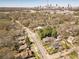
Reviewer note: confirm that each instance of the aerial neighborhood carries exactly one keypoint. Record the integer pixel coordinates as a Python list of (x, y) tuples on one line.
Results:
[(39, 32)]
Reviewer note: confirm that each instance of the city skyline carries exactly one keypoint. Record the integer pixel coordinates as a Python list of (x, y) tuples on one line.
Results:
[(34, 3)]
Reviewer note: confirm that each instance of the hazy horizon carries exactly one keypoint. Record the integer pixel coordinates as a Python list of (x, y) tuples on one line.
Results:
[(34, 3)]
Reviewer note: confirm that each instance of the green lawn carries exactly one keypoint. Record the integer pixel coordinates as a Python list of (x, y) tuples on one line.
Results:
[(50, 49), (73, 55), (4, 21)]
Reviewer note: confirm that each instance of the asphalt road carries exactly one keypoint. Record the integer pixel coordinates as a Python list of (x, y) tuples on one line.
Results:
[(37, 42)]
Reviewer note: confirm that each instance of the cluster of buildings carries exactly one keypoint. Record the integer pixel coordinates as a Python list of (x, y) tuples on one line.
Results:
[(24, 51)]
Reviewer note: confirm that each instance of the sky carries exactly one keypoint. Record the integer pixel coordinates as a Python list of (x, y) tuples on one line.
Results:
[(33, 3)]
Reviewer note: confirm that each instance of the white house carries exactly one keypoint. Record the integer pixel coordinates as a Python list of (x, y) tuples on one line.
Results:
[(70, 39)]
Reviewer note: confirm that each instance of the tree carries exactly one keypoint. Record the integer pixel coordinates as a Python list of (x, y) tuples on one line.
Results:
[(47, 32)]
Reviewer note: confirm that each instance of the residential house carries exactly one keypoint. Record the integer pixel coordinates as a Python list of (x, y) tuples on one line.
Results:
[(48, 39)]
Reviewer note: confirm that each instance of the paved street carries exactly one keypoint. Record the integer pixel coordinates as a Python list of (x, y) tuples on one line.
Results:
[(39, 45)]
